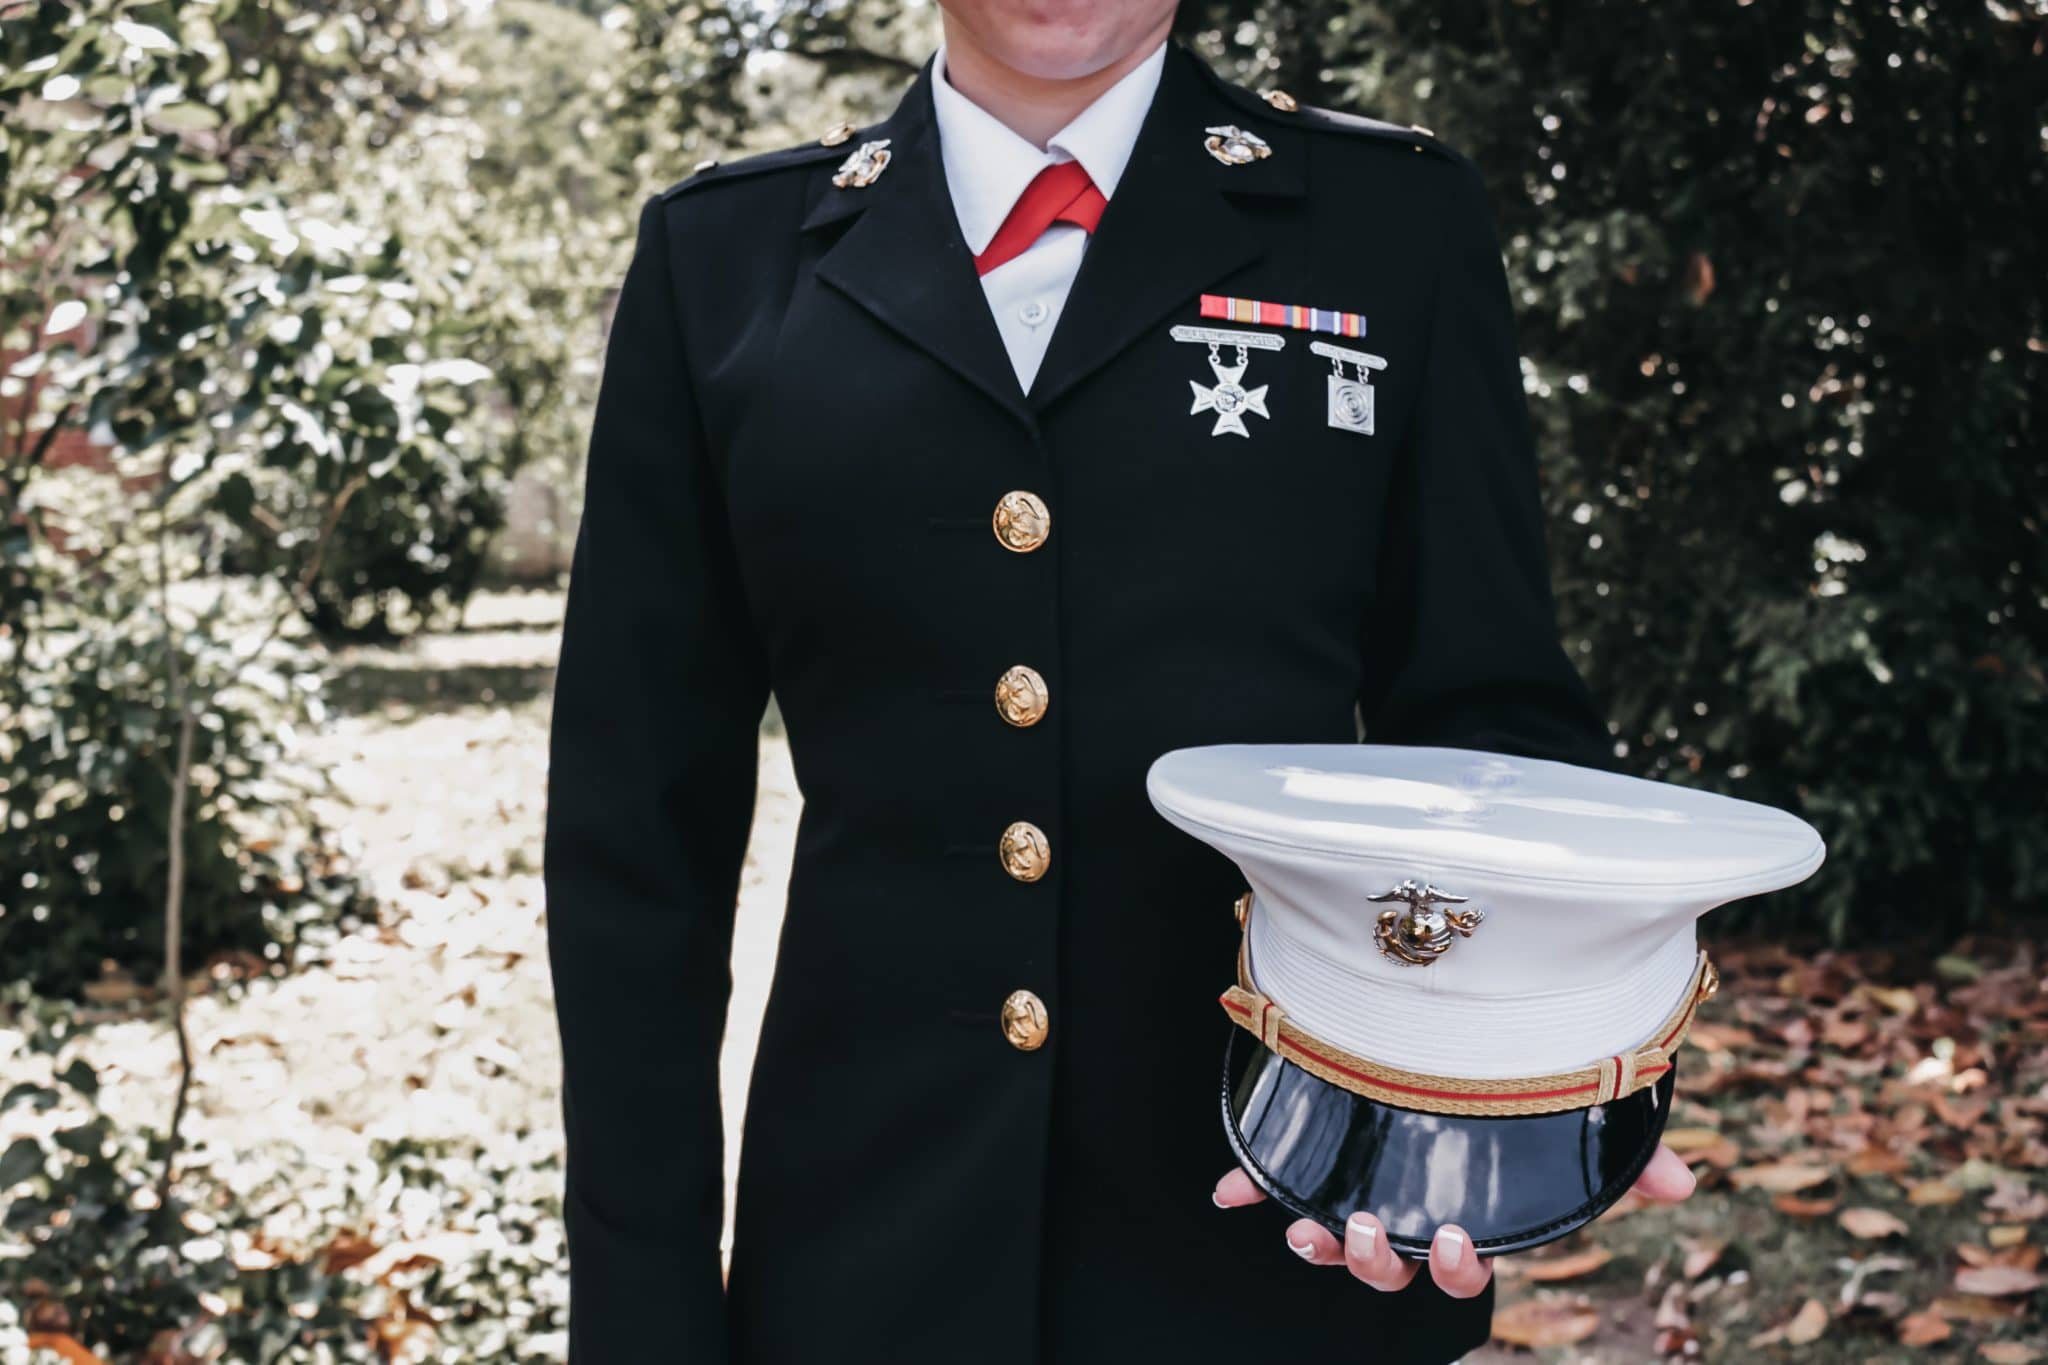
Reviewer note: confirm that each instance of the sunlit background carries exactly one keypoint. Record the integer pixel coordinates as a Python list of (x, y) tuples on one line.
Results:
[(302, 306)]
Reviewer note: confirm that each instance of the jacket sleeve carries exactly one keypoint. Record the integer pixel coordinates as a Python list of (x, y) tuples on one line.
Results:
[(651, 773), (1462, 649)]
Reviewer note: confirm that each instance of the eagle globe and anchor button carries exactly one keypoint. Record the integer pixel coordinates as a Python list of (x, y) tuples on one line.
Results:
[(1391, 1049), (1025, 852), (1025, 1021), (1021, 521), (1022, 696)]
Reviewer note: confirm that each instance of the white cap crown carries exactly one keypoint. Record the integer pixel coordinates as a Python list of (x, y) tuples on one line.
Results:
[(1586, 885)]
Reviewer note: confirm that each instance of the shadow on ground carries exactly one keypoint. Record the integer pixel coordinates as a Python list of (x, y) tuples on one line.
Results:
[(389, 688)]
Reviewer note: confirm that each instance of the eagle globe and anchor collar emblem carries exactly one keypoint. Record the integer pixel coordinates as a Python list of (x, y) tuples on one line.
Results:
[(1425, 931)]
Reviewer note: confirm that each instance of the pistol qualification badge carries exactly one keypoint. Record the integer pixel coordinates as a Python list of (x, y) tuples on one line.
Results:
[(1228, 398), (1350, 400)]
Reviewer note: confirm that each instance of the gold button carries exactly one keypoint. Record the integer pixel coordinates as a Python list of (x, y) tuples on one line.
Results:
[(1022, 522), (1025, 1022), (1025, 853), (836, 134), (1282, 101), (1021, 696)]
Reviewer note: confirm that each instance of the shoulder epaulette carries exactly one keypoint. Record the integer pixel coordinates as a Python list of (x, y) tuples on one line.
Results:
[(713, 172), (1282, 108)]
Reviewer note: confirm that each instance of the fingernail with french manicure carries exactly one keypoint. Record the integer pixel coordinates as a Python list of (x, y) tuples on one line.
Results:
[(1452, 1247), (1305, 1250), (1363, 1236)]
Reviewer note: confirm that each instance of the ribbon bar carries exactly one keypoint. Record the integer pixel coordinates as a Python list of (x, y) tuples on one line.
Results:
[(1297, 316)]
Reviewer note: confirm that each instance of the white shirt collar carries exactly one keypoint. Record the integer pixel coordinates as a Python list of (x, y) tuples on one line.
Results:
[(988, 164)]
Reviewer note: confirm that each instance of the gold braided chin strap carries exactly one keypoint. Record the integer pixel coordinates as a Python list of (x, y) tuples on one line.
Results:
[(1603, 1083)]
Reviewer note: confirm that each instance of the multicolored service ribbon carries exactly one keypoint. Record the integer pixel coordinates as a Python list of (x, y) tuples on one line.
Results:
[(1295, 315)]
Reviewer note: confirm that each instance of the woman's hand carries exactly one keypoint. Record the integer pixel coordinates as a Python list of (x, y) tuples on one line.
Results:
[(1457, 1270)]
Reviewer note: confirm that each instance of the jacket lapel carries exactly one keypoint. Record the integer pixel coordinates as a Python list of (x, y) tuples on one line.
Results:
[(903, 258), (1171, 230)]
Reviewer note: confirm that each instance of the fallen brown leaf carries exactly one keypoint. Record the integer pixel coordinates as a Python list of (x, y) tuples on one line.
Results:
[(1550, 1269), (346, 1250), (1870, 1224), (2005, 1235), (1700, 1257), (1793, 1206), (1897, 999), (1686, 1141), (1546, 1321), (1976, 1308), (1780, 1177), (1927, 1193), (1877, 1161), (63, 1345), (2009, 1353), (1924, 1328), (1803, 1328), (1997, 1281), (1807, 1324), (1719, 1037)]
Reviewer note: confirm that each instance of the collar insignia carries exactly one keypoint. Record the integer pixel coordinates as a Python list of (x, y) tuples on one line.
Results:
[(864, 167), (1233, 146)]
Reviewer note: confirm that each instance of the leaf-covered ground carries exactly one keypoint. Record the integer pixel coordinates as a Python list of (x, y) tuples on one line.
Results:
[(1871, 1129)]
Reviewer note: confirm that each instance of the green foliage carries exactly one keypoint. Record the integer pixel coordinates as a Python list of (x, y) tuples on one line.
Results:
[(85, 783), (316, 285), (424, 1251), (279, 291), (1780, 280)]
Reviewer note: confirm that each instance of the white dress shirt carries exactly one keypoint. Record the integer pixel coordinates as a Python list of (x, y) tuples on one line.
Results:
[(987, 167)]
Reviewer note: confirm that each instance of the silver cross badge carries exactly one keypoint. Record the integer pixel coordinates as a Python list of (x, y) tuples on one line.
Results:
[(1228, 398)]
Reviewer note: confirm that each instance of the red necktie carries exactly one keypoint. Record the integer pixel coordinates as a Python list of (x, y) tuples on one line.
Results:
[(1057, 194)]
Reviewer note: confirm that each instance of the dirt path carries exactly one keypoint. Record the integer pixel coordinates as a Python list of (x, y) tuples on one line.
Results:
[(438, 1023)]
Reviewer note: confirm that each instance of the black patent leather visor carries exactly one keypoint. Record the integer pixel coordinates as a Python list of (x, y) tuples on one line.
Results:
[(1511, 1183)]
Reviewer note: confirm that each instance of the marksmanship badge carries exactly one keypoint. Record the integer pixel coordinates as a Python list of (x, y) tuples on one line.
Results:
[(1350, 399), (1228, 398)]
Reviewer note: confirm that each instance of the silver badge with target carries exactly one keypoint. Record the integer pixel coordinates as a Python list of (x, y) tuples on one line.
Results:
[(1228, 398), (1350, 398)]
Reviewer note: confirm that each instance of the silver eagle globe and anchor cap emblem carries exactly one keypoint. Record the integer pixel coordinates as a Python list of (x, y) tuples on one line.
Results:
[(1233, 146), (864, 166), (1425, 931), (1228, 397)]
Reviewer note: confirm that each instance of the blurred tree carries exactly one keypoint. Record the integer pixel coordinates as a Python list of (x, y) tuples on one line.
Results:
[(1780, 275), (713, 80), (223, 257)]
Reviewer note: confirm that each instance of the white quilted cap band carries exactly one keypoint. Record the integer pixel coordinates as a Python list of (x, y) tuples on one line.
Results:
[(1588, 884)]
